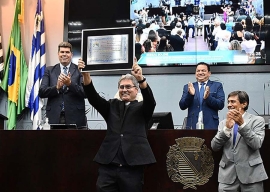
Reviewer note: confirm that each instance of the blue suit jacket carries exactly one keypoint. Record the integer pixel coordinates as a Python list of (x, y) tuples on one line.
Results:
[(210, 106)]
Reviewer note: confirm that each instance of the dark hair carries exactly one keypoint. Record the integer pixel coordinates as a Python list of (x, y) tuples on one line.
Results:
[(147, 25), (152, 36), (238, 27), (139, 30), (147, 45), (65, 45), (203, 63), (242, 97), (222, 26), (248, 36), (249, 24), (162, 43)]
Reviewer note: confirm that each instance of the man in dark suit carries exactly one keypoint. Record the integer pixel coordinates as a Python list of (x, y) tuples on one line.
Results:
[(212, 99), (125, 150), (162, 31), (177, 41), (240, 136), (61, 84)]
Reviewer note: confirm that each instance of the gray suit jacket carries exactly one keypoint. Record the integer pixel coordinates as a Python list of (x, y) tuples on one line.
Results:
[(243, 160)]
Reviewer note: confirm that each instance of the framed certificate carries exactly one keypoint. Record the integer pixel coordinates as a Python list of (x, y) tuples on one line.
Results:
[(108, 49)]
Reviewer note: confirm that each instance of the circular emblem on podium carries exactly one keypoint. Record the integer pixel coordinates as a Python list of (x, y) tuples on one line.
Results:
[(190, 162)]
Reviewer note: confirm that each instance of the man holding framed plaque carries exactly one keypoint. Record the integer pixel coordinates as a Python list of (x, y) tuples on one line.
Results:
[(125, 151)]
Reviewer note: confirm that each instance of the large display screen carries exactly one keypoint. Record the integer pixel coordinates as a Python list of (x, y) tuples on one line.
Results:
[(224, 57), (230, 35)]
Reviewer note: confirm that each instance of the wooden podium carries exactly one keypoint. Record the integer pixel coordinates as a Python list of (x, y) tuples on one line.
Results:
[(62, 160)]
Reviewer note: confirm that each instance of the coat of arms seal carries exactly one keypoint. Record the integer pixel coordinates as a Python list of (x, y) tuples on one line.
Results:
[(190, 162)]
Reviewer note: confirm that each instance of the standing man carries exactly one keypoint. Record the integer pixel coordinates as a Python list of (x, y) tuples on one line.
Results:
[(61, 84), (204, 95), (125, 150), (240, 136), (201, 10)]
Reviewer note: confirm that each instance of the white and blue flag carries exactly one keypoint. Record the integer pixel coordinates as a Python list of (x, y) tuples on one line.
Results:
[(36, 68)]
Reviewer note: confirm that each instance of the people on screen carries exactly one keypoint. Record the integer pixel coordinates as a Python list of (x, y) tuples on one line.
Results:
[(61, 84), (210, 102), (125, 150), (240, 137)]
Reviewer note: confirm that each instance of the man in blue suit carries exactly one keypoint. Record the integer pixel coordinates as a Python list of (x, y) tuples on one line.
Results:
[(211, 102)]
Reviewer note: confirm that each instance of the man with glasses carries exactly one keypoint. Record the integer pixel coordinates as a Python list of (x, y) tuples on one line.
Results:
[(125, 150), (204, 95)]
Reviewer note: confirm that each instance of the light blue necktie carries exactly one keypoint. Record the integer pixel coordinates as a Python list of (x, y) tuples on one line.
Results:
[(201, 95), (235, 131)]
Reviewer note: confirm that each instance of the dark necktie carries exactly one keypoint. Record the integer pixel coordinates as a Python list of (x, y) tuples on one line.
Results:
[(201, 95), (235, 131)]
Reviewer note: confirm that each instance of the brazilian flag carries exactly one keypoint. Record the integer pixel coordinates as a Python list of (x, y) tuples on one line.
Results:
[(15, 75)]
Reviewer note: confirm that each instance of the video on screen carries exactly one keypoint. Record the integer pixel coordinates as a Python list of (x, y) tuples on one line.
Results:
[(187, 32)]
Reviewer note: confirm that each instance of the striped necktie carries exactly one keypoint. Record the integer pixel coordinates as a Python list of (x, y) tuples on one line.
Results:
[(63, 103)]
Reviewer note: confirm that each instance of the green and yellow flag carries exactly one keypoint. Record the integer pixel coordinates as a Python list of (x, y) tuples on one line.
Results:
[(15, 76)]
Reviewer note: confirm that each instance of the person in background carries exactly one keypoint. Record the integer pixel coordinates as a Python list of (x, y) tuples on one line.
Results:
[(164, 46), (177, 41), (240, 136), (139, 49), (201, 10), (62, 85), (210, 101), (191, 24), (162, 31), (140, 24), (198, 25), (125, 151), (148, 47), (248, 44)]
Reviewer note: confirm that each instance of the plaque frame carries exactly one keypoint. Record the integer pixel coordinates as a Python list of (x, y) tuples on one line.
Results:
[(103, 66)]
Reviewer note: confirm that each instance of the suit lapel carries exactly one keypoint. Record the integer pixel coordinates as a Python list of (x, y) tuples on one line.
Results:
[(72, 69), (57, 71), (246, 118), (197, 91)]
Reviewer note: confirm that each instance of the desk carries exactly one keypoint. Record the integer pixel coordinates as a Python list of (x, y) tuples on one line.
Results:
[(208, 9), (61, 160), (154, 11)]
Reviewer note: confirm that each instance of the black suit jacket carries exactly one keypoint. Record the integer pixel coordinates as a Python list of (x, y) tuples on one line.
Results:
[(126, 125), (177, 42), (73, 96)]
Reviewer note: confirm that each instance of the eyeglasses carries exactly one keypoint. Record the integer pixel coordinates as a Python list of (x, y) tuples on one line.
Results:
[(126, 86)]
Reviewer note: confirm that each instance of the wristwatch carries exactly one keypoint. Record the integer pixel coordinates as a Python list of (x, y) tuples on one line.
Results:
[(141, 81)]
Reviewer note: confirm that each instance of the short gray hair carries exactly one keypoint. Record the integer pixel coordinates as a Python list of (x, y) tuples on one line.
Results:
[(130, 77)]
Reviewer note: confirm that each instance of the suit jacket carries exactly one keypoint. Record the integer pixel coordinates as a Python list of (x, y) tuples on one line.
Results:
[(243, 160), (177, 42), (210, 105), (73, 96), (126, 126)]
